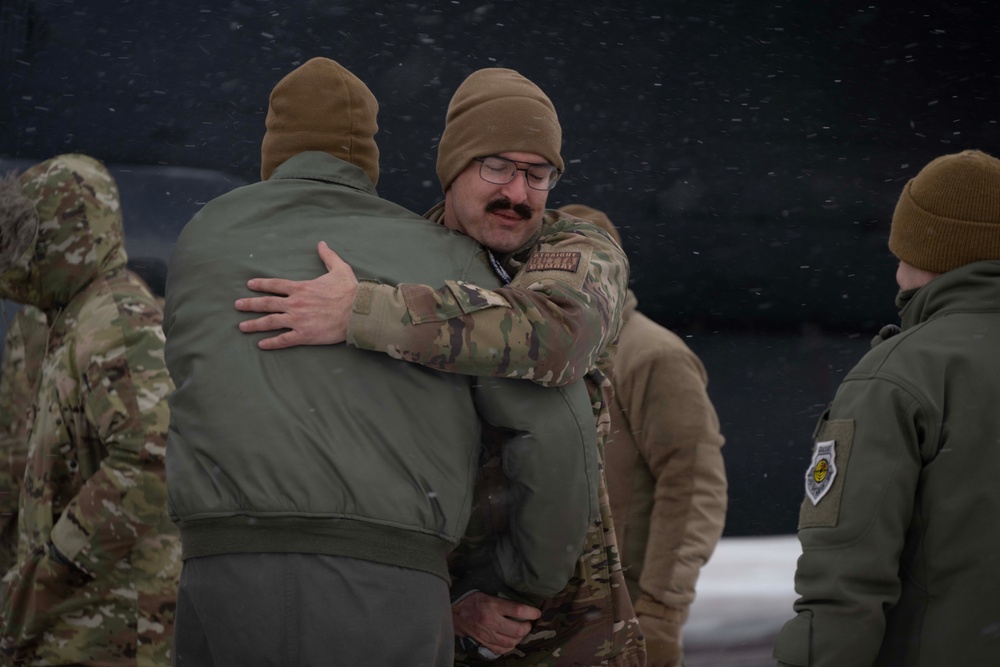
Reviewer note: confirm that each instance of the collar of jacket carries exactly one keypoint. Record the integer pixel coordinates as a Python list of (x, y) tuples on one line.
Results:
[(969, 288), (320, 166)]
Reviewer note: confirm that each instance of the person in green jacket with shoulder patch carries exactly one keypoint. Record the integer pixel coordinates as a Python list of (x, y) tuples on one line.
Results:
[(900, 546)]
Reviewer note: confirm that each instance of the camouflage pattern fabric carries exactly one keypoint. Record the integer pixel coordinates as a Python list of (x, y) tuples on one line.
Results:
[(22, 360), (556, 323), (552, 325), (592, 620), (98, 560)]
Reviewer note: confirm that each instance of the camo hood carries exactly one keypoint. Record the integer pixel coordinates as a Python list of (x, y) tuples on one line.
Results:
[(60, 228)]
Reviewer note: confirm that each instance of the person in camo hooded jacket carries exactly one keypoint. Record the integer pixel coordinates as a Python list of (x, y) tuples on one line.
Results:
[(98, 560)]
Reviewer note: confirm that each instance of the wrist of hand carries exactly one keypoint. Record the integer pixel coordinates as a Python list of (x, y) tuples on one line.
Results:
[(58, 556)]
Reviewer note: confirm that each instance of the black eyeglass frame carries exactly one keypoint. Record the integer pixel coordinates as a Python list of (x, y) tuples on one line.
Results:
[(554, 172)]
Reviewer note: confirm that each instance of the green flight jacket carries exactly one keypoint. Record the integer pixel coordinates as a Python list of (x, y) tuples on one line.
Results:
[(901, 547), (335, 450), (556, 322)]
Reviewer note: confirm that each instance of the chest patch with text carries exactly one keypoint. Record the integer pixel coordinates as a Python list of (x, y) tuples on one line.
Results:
[(554, 261)]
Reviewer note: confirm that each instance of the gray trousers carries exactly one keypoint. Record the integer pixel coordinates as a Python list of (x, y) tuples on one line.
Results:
[(293, 610)]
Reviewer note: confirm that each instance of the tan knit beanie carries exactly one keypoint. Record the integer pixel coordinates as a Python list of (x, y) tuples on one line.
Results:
[(949, 214), (495, 111), (593, 215), (320, 106)]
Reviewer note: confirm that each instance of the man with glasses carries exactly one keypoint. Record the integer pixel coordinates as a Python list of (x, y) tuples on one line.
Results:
[(501, 171), (554, 322), (332, 480)]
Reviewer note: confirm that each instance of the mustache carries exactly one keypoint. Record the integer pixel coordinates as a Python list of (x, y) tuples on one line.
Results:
[(503, 204)]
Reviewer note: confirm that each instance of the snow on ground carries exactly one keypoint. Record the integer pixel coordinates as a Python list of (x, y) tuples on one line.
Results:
[(745, 595)]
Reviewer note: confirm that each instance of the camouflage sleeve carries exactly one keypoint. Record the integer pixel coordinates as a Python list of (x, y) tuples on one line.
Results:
[(550, 325), (124, 389)]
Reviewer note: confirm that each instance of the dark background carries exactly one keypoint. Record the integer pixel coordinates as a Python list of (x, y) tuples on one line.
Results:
[(750, 152)]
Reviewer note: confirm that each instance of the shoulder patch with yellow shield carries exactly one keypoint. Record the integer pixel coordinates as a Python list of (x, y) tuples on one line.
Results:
[(826, 473), (822, 471)]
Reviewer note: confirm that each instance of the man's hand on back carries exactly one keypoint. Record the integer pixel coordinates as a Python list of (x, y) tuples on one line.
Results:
[(316, 311)]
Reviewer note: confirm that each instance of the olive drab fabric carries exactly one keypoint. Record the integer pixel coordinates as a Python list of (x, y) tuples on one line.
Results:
[(508, 331), (899, 524), (380, 463), (98, 559), (574, 269)]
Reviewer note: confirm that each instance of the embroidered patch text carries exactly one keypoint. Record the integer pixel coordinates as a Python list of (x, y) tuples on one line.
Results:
[(554, 261)]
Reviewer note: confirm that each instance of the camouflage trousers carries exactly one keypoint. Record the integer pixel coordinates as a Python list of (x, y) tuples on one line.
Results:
[(591, 622)]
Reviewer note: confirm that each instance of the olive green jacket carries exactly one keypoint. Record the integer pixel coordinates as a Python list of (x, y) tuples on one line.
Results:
[(333, 450), (559, 318), (899, 529)]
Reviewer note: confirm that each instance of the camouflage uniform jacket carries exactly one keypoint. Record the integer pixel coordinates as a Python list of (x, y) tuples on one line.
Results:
[(98, 559), (555, 322), (22, 359)]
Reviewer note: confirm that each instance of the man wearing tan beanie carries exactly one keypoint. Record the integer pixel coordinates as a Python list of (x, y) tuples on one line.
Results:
[(899, 525), (555, 321), (666, 477), (318, 491)]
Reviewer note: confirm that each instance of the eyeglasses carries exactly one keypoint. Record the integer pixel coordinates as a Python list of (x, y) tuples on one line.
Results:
[(501, 171)]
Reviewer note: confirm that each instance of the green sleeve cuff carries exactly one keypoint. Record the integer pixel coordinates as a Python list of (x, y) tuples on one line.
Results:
[(792, 647)]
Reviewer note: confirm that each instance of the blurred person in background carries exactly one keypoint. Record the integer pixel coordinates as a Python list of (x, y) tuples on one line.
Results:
[(23, 351), (666, 476), (98, 560)]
